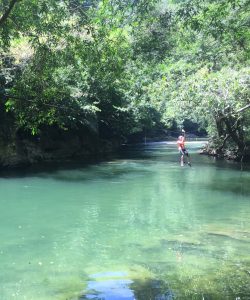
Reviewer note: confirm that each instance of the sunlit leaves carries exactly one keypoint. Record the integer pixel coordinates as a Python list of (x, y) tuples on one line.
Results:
[(126, 65)]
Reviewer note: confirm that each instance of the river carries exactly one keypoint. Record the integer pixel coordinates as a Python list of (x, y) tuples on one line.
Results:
[(137, 226)]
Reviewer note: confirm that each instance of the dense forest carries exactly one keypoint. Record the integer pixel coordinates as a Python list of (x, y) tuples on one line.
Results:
[(79, 77)]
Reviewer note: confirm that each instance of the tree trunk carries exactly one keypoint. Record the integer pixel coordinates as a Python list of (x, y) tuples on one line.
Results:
[(235, 132), (219, 126)]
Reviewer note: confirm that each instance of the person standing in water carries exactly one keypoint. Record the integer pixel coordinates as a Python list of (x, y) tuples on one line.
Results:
[(181, 147)]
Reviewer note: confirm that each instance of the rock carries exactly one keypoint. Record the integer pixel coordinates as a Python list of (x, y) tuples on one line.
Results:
[(53, 144)]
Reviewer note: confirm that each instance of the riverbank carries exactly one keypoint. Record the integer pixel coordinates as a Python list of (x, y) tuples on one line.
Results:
[(53, 145), (228, 154), (19, 149)]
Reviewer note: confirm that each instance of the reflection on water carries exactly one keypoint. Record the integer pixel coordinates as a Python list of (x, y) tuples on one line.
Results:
[(138, 226), (114, 286), (112, 289)]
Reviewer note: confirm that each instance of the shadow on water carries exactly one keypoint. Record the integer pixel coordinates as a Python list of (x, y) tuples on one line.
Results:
[(79, 171), (112, 165), (126, 289), (140, 154), (46, 167), (232, 185)]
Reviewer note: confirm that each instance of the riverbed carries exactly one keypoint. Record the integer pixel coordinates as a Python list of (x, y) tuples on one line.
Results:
[(137, 226)]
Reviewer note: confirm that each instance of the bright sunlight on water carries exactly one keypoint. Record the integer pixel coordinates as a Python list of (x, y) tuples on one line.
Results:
[(136, 227)]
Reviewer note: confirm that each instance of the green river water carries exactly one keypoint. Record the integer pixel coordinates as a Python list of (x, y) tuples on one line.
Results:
[(137, 226)]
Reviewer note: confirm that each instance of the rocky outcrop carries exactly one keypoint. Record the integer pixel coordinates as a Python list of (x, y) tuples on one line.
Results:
[(226, 153), (52, 144)]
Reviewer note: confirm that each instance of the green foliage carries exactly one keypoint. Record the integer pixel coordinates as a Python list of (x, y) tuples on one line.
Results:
[(119, 67)]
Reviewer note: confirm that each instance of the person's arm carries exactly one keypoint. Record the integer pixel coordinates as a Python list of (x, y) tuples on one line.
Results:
[(184, 134)]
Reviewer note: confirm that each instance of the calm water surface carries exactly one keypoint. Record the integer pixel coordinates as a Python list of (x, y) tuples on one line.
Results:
[(135, 227)]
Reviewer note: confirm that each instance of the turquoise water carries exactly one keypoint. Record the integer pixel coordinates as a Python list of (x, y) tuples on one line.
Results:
[(138, 226)]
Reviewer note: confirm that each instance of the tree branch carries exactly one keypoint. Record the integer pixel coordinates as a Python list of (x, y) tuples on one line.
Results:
[(243, 108), (5, 16), (222, 116)]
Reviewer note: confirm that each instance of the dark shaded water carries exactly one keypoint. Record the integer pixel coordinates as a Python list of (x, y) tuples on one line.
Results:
[(135, 227)]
